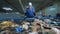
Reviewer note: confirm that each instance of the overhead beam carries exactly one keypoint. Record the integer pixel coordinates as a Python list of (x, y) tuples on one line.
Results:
[(16, 5), (46, 4)]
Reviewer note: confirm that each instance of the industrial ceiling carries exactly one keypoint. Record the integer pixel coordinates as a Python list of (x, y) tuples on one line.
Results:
[(16, 4)]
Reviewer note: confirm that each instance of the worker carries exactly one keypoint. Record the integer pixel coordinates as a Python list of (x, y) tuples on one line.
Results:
[(30, 11)]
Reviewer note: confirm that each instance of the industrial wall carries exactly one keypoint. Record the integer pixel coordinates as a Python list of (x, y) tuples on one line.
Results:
[(51, 10), (58, 7)]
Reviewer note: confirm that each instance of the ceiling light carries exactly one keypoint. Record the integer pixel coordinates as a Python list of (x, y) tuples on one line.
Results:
[(6, 8)]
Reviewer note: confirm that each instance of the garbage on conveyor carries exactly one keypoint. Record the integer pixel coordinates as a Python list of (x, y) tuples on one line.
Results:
[(25, 27)]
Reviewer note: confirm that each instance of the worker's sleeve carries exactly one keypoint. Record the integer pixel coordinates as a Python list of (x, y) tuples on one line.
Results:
[(33, 9)]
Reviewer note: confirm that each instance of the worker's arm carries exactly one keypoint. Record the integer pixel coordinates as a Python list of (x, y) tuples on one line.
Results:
[(34, 10)]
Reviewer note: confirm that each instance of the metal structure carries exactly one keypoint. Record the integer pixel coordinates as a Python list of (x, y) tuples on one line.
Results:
[(38, 4)]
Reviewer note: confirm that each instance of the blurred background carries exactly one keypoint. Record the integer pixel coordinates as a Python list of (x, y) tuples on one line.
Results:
[(15, 8), (12, 16)]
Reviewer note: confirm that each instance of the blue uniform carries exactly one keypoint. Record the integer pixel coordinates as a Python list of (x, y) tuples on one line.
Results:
[(30, 13)]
